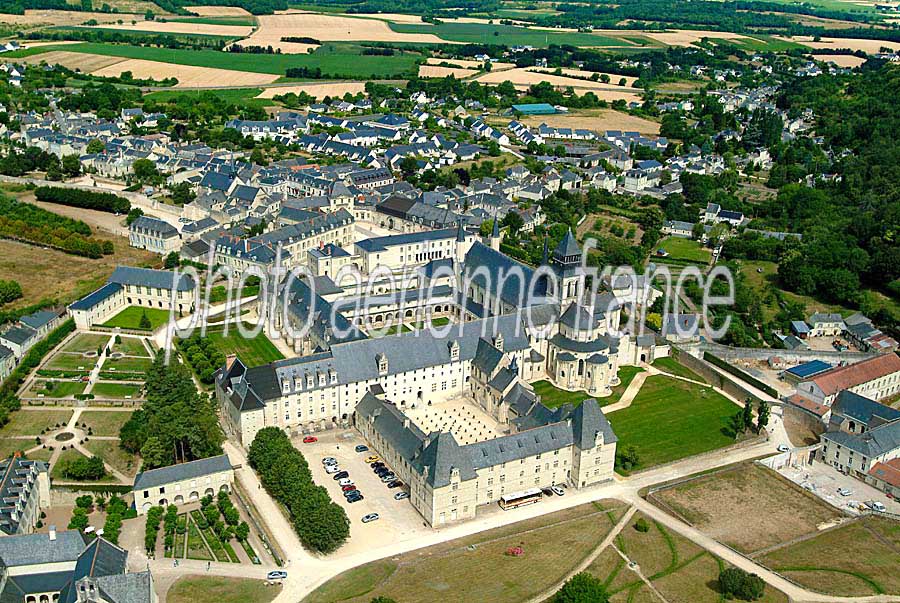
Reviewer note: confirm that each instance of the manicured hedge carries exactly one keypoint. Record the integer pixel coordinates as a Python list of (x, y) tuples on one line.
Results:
[(742, 375), (321, 524), (108, 202)]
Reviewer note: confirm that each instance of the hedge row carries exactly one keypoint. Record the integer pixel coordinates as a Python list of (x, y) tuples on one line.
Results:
[(9, 402), (742, 375), (321, 524), (108, 202)]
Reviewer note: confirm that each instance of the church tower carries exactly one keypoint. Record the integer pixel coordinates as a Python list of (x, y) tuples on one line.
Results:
[(565, 263), (495, 234)]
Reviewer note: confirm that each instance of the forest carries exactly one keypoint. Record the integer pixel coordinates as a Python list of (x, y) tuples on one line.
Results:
[(29, 223)]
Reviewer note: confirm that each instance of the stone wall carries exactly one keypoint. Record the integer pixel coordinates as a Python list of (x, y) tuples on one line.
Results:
[(790, 356), (713, 376)]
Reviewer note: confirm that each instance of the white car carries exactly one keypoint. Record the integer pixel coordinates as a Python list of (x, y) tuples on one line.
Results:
[(401, 495), (345, 482), (844, 491), (329, 460), (370, 517), (329, 469), (557, 490), (276, 575), (783, 448)]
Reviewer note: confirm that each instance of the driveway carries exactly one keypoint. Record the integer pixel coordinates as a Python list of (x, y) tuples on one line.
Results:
[(823, 480)]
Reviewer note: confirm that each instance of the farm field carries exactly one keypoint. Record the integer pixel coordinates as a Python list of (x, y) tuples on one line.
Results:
[(440, 71), (33, 18), (841, 60), (867, 46), (859, 558), (187, 27), (580, 73), (468, 64), (253, 352), (316, 89), (522, 78), (510, 35), (671, 419), (130, 318), (710, 503), (457, 574), (339, 60), (217, 11)]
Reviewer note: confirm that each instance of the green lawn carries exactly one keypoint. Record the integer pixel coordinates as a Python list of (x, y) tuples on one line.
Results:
[(131, 346), (56, 389), (344, 61), (509, 35), (196, 548), (130, 318), (673, 367), (114, 455), (671, 419), (66, 456), (686, 250), (221, 20), (86, 342), (116, 390), (253, 352), (65, 361), (553, 397), (127, 365), (104, 422), (31, 422), (217, 589)]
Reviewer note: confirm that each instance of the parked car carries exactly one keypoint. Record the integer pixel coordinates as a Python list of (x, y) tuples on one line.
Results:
[(401, 495), (370, 518), (547, 491), (362, 448), (357, 498), (874, 505), (276, 575), (348, 488), (388, 478), (340, 475), (345, 482), (783, 448), (329, 469), (373, 459), (329, 460), (395, 484), (382, 471), (844, 491), (310, 439), (557, 490), (377, 466)]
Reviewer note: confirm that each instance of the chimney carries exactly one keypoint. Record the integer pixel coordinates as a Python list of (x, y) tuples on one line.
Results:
[(52, 533), (229, 361)]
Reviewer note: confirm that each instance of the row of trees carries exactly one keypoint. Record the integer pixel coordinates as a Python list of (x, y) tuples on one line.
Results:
[(176, 424), (151, 532), (202, 354), (321, 524), (84, 469), (30, 223), (108, 202)]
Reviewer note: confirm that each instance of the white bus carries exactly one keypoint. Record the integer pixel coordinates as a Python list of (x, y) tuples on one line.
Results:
[(519, 499)]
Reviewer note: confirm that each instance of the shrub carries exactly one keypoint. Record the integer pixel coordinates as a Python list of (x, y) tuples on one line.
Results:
[(735, 583), (641, 525)]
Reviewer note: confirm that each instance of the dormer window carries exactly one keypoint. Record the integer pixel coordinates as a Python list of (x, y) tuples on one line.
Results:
[(454, 350), (332, 376), (382, 361), (309, 380), (498, 341)]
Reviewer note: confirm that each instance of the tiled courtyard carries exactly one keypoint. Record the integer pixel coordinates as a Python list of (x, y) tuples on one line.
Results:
[(460, 416)]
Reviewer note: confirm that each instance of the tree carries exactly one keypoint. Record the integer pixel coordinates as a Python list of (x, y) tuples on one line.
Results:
[(145, 171), (242, 531), (762, 416), (133, 214), (9, 291), (145, 323), (95, 146), (257, 157), (54, 172), (582, 588), (71, 165), (735, 583), (747, 415), (79, 519), (172, 261), (513, 221)]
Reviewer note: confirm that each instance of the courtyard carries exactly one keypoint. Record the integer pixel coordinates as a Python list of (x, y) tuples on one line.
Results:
[(462, 417)]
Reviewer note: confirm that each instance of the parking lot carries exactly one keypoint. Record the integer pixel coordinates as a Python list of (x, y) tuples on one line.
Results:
[(824, 480), (398, 520)]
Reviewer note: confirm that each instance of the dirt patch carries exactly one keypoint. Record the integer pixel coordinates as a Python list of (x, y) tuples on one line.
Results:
[(748, 507), (188, 76), (841, 60), (326, 28), (579, 73), (685, 37), (218, 11), (468, 64), (236, 31), (438, 71), (316, 89), (598, 120)]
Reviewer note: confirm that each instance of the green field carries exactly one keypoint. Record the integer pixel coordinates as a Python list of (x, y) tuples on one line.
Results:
[(673, 367), (686, 250), (335, 60), (253, 352), (137, 35), (671, 419), (64, 361), (510, 35), (222, 20), (214, 589), (31, 422), (130, 318), (116, 390), (104, 422), (131, 346), (554, 397), (85, 342), (127, 364), (114, 455), (56, 389), (244, 97)]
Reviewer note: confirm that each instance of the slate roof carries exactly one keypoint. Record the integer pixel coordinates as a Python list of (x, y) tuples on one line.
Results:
[(14, 474), (863, 409), (154, 225), (567, 247), (38, 549), (872, 443), (100, 558), (487, 357), (18, 335), (92, 299), (39, 319), (517, 285), (160, 279), (382, 243), (184, 471)]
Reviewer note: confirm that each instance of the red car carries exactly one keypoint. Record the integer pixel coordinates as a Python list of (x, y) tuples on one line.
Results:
[(348, 488), (310, 439)]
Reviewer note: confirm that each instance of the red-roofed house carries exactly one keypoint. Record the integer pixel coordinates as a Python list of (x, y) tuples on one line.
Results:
[(886, 477), (874, 378)]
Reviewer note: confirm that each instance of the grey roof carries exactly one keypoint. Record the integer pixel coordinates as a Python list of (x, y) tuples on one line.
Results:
[(160, 279), (863, 409), (155, 226), (440, 456), (601, 344), (92, 299), (100, 558), (487, 357), (389, 422), (382, 243), (516, 284), (176, 473), (39, 319), (38, 549), (5, 352), (18, 335), (136, 587), (872, 443), (567, 247), (17, 587), (15, 473)]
